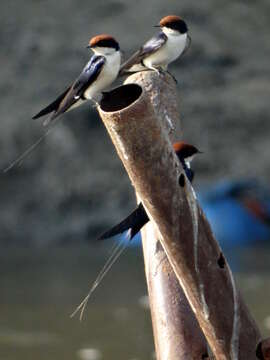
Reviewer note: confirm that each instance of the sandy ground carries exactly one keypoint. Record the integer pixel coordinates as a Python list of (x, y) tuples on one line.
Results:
[(73, 186)]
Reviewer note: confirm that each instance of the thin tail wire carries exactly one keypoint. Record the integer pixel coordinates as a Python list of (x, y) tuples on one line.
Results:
[(29, 150), (117, 250)]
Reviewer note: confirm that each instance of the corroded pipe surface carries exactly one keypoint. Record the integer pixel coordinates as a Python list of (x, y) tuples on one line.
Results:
[(140, 132), (177, 333)]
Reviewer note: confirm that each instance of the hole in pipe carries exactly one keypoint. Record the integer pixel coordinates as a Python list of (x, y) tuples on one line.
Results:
[(182, 180), (263, 349), (221, 261), (205, 356), (120, 97), (259, 353)]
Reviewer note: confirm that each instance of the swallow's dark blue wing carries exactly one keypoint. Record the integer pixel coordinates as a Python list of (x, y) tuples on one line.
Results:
[(133, 222), (86, 78), (147, 49), (153, 44), (73, 93), (189, 172), (88, 75)]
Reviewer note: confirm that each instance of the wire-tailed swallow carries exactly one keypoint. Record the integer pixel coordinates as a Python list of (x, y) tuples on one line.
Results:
[(138, 218), (161, 49), (97, 75)]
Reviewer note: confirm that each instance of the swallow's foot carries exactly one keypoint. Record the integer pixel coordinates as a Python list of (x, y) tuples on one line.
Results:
[(172, 77), (158, 70), (161, 71), (96, 100), (95, 104)]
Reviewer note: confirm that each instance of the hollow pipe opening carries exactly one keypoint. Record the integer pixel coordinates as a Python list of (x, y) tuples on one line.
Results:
[(120, 97)]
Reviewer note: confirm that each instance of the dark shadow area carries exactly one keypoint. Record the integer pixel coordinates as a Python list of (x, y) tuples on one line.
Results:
[(259, 353), (182, 180), (205, 356), (221, 261), (120, 97), (263, 349)]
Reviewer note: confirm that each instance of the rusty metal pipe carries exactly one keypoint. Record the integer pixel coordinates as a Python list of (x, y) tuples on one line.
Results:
[(138, 118)]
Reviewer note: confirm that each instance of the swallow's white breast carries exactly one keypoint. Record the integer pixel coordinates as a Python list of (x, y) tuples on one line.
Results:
[(169, 52), (188, 160), (106, 77)]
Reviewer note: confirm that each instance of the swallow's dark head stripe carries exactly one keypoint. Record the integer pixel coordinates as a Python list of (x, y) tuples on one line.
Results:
[(104, 40), (175, 23)]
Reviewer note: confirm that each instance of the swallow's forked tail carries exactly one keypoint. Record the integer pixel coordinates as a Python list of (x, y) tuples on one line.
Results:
[(133, 222), (117, 250), (52, 107)]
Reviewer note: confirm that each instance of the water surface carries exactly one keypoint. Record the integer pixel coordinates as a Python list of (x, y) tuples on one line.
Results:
[(41, 288)]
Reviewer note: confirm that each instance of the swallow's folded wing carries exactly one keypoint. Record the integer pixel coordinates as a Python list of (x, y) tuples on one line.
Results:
[(73, 93), (86, 78), (147, 49), (189, 172)]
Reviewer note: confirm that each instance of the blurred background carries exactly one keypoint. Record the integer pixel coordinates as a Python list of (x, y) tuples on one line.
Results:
[(73, 186)]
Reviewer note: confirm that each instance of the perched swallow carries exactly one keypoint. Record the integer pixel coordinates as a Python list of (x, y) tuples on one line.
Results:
[(138, 218), (162, 49), (97, 75)]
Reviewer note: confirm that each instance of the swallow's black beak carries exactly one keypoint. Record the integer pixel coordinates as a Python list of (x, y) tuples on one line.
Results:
[(200, 152), (157, 26), (88, 47)]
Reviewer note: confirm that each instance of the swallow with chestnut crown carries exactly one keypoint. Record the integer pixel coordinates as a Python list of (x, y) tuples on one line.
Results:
[(157, 53), (138, 218), (97, 75)]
